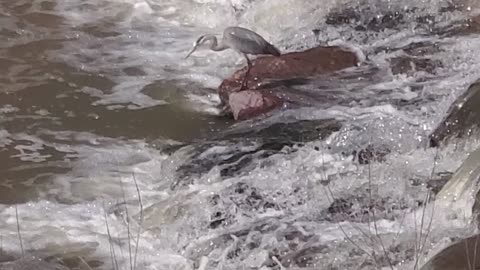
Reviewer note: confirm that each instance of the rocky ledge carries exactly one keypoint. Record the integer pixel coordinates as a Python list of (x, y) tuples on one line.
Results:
[(462, 120), (266, 91)]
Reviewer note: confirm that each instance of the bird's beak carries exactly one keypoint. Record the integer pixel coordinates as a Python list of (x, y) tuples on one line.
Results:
[(193, 49), (195, 46)]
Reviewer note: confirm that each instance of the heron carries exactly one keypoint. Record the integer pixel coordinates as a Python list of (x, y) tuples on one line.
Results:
[(241, 40)]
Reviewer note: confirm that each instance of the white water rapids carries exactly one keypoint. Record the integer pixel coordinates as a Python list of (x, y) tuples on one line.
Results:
[(274, 208)]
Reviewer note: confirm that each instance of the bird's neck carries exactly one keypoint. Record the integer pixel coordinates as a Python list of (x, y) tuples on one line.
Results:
[(215, 45)]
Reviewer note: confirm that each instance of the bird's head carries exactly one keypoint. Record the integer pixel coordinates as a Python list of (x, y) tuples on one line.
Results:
[(201, 40)]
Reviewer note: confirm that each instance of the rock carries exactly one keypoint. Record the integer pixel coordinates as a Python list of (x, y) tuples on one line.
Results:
[(408, 65), (250, 103), (388, 21), (462, 118), (460, 28), (438, 181), (237, 156), (368, 19), (372, 153), (4, 257), (346, 16), (422, 48), (472, 25), (31, 263), (359, 207), (315, 61), (459, 255), (457, 194)]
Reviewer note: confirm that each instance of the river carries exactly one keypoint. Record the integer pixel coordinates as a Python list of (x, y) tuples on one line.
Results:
[(99, 106)]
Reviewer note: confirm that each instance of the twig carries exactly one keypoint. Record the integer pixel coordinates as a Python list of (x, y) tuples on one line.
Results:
[(18, 231), (475, 251), (375, 219), (469, 265), (84, 262), (422, 245), (349, 239), (112, 248), (346, 216), (140, 222), (275, 259), (128, 225)]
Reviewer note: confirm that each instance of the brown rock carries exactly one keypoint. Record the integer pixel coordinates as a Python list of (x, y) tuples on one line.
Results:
[(315, 61), (463, 117), (251, 103), (460, 255)]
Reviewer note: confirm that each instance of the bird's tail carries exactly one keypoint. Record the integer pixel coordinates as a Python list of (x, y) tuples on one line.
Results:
[(270, 49)]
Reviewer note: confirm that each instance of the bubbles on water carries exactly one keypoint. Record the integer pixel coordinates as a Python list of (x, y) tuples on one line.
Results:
[(278, 205)]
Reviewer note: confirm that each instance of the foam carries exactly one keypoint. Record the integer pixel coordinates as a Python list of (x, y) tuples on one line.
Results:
[(70, 207)]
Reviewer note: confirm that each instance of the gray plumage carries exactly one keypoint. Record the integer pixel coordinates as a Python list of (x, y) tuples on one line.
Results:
[(241, 40)]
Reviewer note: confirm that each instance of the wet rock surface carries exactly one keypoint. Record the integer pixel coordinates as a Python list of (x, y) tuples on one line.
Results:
[(251, 103), (303, 64), (292, 244), (476, 209), (237, 153), (245, 199), (371, 154), (31, 263), (462, 120), (364, 202), (461, 28), (346, 16), (459, 255), (438, 181), (269, 74), (379, 22), (410, 65), (369, 19), (362, 206)]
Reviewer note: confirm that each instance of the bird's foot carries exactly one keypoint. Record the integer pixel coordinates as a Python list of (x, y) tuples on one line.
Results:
[(243, 87), (225, 110)]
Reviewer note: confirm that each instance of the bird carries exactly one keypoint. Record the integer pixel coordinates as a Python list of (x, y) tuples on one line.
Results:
[(241, 40)]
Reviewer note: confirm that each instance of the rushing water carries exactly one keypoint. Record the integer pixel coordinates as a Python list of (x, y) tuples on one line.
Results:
[(97, 105)]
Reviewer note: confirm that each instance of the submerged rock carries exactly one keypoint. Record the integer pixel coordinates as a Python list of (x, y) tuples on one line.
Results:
[(409, 65), (461, 28), (235, 155), (346, 16), (463, 118), (267, 71), (389, 20), (372, 153), (31, 263)]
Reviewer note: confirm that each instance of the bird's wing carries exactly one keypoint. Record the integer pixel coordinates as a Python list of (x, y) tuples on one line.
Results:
[(244, 40)]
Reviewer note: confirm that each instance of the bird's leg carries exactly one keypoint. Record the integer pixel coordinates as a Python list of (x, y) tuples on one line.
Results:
[(245, 78)]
